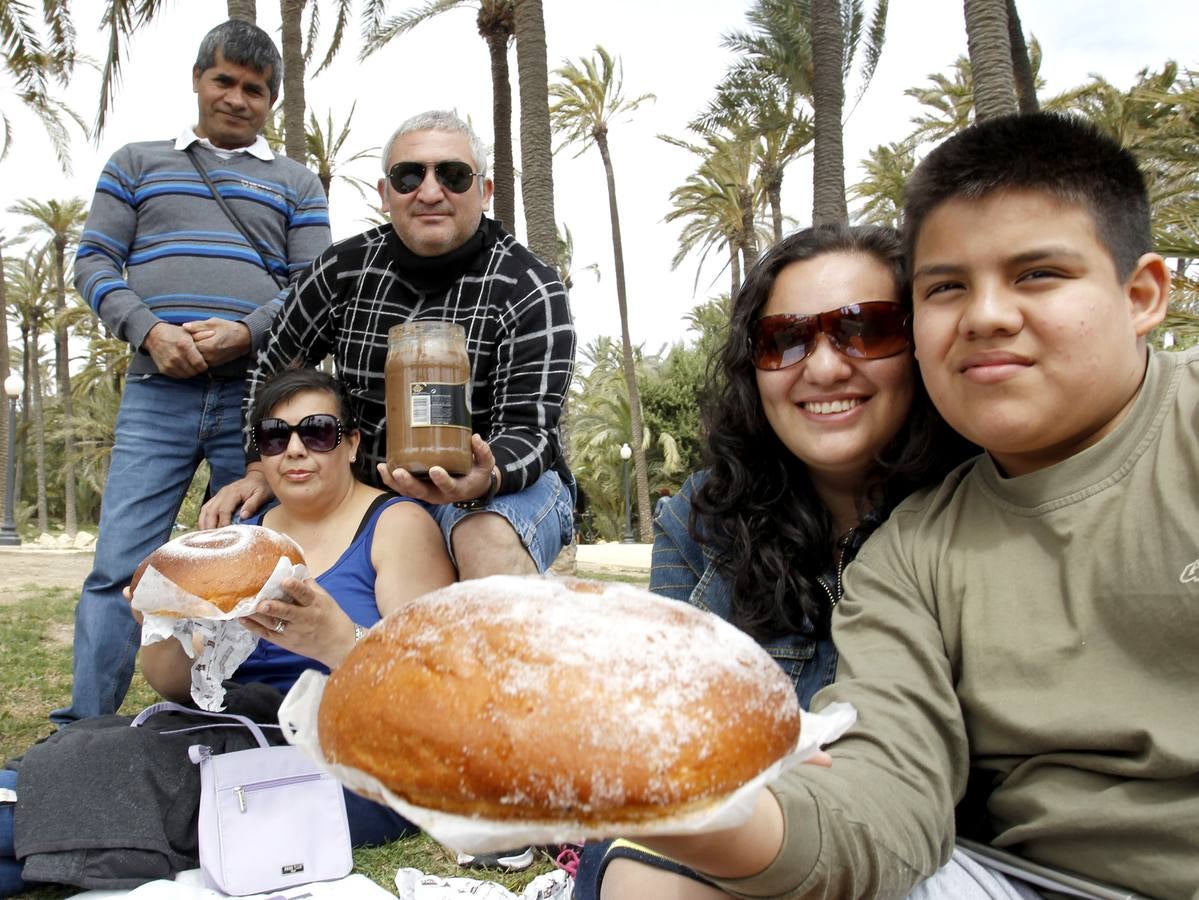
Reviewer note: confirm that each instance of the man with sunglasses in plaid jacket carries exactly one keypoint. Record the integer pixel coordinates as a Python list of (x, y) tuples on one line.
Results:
[(440, 258)]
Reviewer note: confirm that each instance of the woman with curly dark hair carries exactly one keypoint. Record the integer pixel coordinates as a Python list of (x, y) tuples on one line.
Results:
[(817, 425)]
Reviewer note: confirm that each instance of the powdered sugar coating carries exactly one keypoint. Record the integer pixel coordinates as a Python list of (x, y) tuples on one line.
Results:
[(542, 698), (222, 566)]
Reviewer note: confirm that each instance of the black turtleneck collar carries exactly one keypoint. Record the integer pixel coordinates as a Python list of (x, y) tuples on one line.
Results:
[(430, 271)]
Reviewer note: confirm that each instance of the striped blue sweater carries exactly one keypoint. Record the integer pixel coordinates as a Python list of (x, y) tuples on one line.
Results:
[(157, 247)]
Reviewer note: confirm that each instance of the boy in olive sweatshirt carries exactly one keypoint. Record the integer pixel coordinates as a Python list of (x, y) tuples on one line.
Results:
[(1033, 622)]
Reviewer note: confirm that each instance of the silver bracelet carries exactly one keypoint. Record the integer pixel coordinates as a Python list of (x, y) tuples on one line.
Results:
[(359, 632)]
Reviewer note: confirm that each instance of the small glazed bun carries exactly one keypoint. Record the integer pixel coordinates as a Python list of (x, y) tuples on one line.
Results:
[(220, 565), (557, 700)]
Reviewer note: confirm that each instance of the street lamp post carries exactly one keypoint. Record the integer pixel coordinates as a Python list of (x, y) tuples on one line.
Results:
[(13, 385), (626, 453)]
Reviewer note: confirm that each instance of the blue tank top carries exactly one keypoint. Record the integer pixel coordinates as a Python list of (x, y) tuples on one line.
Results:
[(350, 581)]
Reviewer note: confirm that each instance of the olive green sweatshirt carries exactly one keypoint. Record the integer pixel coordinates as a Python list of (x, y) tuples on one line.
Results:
[(1042, 629)]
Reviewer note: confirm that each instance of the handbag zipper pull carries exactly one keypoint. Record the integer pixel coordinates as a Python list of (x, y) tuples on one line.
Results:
[(241, 798)]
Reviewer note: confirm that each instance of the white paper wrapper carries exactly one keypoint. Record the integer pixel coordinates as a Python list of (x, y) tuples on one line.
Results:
[(413, 884), (224, 641), (298, 718)]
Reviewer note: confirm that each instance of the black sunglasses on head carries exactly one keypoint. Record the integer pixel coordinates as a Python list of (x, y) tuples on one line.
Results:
[(872, 329), (320, 433), (453, 175)]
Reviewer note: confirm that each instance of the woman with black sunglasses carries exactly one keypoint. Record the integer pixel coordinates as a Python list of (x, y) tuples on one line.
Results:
[(817, 425), (368, 552), (368, 549)]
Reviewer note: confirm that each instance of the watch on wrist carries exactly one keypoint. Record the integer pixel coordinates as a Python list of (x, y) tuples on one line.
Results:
[(480, 502)]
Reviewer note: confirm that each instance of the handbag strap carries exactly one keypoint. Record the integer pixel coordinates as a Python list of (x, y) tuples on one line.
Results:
[(168, 706), (233, 217)]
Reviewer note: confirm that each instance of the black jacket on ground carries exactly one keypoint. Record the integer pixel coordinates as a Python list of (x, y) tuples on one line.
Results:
[(103, 805)]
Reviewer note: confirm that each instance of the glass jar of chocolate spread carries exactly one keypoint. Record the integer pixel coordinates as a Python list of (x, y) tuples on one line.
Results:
[(427, 377)]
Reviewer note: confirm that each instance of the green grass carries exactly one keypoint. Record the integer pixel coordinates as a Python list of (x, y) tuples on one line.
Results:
[(35, 634)]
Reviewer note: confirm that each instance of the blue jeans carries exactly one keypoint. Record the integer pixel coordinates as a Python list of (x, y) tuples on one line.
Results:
[(164, 429), (542, 515)]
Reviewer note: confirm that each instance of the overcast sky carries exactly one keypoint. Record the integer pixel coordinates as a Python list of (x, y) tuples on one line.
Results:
[(671, 48)]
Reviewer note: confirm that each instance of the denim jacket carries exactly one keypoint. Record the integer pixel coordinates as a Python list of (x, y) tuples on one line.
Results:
[(686, 570)]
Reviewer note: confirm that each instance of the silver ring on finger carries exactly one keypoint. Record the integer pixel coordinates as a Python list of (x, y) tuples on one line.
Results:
[(281, 627)]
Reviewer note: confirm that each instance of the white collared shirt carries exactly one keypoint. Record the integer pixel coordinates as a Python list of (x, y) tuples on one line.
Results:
[(260, 149)]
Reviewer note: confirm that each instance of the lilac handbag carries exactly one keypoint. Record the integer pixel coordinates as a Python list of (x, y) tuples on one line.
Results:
[(270, 818)]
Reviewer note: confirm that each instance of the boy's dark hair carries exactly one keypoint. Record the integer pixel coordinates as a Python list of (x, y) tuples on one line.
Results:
[(244, 44), (1063, 156)]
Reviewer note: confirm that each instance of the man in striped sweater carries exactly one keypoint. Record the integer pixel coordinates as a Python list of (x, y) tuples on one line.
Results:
[(440, 258), (164, 267)]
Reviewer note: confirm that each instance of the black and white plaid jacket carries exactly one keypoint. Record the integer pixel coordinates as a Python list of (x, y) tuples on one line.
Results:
[(519, 336)]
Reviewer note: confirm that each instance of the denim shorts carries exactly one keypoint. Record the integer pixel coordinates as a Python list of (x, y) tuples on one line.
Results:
[(542, 515)]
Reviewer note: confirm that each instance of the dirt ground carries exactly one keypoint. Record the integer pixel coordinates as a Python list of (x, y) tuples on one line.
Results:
[(41, 568)]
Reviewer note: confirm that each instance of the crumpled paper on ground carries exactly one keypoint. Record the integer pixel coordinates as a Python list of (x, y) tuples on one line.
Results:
[(191, 885), (413, 884), (298, 719), (224, 642)]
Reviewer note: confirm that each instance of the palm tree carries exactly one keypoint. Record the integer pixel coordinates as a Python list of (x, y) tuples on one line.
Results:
[(536, 159), (33, 64), (587, 99), (495, 22), (324, 152), (246, 10), (828, 99), (564, 259), (1022, 66), (1155, 119), (4, 364), (294, 62), (721, 202), (30, 296), (764, 112), (786, 38), (887, 171), (62, 223), (601, 420), (990, 48), (950, 101), (713, 222)]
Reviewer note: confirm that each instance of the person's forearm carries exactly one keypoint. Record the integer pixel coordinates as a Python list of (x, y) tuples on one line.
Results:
[(735, 852)]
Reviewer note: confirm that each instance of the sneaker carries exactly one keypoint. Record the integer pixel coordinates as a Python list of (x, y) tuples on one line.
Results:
[(512, 860)]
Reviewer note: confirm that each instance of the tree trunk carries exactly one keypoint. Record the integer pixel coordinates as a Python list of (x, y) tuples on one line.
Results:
[(39, 431), (246, 10), (293, 79), (735, 268), (774, 196), (62, 371), (536, 156), (504, 199), (749, 236), (645, 514), (25, 424), (5, 400), (828, 98), (990, 58), (1026, 82)]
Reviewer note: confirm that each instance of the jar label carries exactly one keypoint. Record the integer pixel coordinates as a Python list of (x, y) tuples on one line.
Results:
[(433, 404)]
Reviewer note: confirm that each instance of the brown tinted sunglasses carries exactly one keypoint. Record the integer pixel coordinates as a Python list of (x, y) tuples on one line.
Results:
[(874, 329)]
